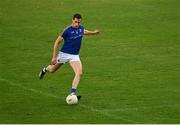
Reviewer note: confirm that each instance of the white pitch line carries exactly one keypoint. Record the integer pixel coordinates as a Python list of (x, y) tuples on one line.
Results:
[(29, 89), (140, 108), (107, 114), (103, 112)]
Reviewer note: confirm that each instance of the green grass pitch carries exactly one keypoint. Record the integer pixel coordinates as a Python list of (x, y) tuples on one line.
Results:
[(131, 70)]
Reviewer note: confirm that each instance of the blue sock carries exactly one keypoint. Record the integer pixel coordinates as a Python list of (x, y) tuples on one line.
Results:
[(73, 90)]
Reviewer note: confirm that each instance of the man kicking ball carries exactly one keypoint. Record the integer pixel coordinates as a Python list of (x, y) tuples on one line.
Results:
[(69, 53)]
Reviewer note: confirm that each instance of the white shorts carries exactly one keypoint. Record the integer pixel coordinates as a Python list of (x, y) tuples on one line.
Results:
[(65, 57)]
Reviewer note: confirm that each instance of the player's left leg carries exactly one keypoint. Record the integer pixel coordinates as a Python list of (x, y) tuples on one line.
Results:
[(77, 68)]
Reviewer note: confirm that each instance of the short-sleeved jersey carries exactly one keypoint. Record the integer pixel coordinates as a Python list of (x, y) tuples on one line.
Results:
[(72, 39)]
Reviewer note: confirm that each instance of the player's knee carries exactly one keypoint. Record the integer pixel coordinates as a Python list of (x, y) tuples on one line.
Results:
[(79, 73)]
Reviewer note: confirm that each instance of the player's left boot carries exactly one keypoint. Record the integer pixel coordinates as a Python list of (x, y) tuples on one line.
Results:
[(42, 73), (79, 97)]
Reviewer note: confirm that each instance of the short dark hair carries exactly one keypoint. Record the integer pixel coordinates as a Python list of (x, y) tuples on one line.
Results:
[(77, 15)]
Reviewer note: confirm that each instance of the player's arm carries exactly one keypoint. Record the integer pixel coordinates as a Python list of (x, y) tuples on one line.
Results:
[(87, 32), (55, 48)]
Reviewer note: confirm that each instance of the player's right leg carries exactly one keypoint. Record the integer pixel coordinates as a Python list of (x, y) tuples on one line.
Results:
[(50, 69)]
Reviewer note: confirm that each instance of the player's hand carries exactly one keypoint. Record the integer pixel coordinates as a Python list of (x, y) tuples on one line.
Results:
[(96, 31), (53, 61)]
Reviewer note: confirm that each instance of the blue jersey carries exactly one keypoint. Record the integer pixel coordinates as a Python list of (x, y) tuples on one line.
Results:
[(72, 40)]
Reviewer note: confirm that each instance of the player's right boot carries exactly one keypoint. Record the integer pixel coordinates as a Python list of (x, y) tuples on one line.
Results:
[(79, 97), (42, 73)]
